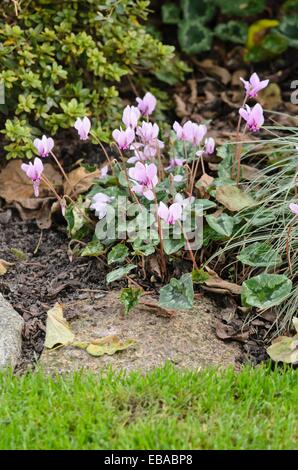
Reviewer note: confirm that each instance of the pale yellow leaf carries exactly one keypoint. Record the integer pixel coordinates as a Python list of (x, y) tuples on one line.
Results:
[(57, 329), (4, 265)]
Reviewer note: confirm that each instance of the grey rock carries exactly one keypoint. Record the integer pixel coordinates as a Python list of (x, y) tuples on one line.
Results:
[(11, 324)]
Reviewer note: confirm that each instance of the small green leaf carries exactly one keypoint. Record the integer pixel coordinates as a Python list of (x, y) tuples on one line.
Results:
[(93, 248), (259, 255), (265, 290), (119, 273), (170, 13), (223, 224), (178, 294), (118, 254), (142, 248), (129, 297)]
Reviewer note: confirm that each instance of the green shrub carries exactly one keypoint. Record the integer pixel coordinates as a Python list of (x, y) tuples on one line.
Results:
[(62, 60)]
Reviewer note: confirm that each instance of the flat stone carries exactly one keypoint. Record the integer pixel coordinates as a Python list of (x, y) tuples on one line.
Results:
[(187, 339), (11, 324)]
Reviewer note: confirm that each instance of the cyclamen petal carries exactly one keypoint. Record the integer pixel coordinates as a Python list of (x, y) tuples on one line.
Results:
[(190, 132), (144, 178), (254, 117), (209, 145), (100, 204), (124, 138), (131, 116), (44, 145), (294, 208), (147, 104), (34, 172), (170, 215), (147, 132), (254, 85), (83, 127)]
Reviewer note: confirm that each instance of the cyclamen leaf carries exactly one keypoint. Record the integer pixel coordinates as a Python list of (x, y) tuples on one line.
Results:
[(129, 297), (93, 248), (172, 246), (119, 273), (223, 224), (178, 294), (258, 255), (265, 290), (118, 254)]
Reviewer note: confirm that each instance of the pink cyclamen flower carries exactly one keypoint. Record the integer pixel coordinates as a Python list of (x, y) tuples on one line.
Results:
[(209, 146), (104, 171), (34, 172), (131, 116), (144, 178), (253, 116), (124, 138), (254, 85), (147, 104), (170, 214), (100, 204), (174, 163), (148, 132), (44, 145), (294, 208), (190, 132), (83, 127)]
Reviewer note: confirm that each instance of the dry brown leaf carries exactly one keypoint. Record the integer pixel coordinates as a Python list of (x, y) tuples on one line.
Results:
[(4, 266), (250, 172), (233, 198), (220, 285), (236, 77), (16, 189), (216, 70), (270, 97), (228, 332), (15, 186), (181, 109), (203, 183), (80, 180)]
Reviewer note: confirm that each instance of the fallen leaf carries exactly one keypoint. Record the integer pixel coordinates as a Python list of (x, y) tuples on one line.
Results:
[(203, 183), (180, 107), (4, 266), (108, 345), (16, 189), (284, 349), (216, 284), (270, 97), (80, 180), (225, 332), (19, 254), (156, 309), (233, 198), (215, 70), (250, 172), (58, 331)]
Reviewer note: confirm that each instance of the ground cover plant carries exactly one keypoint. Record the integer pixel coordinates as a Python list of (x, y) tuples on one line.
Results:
[(61, 60), (156, 201), (164, 409)]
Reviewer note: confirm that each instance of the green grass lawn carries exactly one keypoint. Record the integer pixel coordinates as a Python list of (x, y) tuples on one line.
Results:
[(165, 409)]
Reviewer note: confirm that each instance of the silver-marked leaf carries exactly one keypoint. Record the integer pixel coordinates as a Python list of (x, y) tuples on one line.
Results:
[(259, 255), (265, 290), (172, 246), (118, 254), (178, 294), (223, 224), (119, 273)]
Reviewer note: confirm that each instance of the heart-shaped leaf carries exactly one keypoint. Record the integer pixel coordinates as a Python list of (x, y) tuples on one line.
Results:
[(265, 290), (178, 294), (93, 248), (223, 224), (172, 246), (118, 254), (130, 297), (258, 255)]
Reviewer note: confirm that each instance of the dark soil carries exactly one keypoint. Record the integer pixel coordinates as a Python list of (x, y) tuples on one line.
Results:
[(47, 276)]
